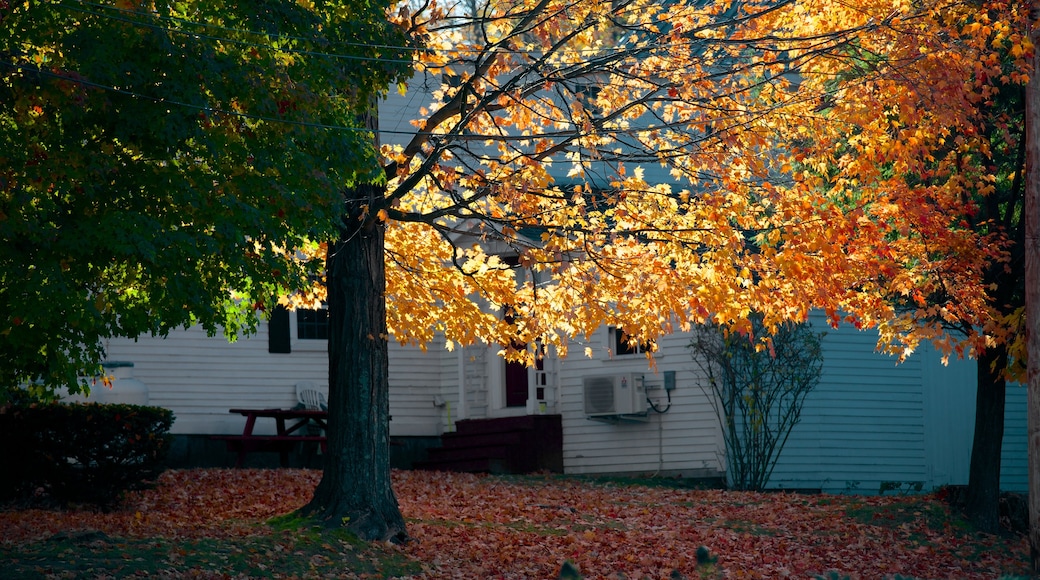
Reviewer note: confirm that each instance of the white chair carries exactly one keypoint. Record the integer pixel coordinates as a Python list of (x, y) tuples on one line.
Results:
[(310, 397)]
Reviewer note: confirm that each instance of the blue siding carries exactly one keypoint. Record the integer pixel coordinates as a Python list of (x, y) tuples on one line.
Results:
[(1014, 457), (949, 418), (872, 421)]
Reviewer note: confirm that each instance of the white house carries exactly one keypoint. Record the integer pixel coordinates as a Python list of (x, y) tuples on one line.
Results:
[(870, 422)]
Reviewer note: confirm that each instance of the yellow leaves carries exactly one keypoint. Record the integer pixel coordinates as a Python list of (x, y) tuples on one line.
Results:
[(978, 29), (774, 197)]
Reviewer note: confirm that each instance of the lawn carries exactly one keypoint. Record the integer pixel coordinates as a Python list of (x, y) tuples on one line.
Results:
[(217, 524)]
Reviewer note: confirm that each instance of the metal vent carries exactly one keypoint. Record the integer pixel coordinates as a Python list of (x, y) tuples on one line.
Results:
[(599, 396)]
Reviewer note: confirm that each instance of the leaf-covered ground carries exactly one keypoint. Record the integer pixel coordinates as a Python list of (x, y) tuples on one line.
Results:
[(212, 523)]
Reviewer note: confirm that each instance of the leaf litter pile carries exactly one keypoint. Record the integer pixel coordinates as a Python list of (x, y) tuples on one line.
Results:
[(214, 523)]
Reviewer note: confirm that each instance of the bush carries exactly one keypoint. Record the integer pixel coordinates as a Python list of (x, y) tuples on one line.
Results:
[(81, 452), (758, 389)]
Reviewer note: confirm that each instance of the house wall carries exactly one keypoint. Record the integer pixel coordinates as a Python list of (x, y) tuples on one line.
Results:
[(864, 423), (200, 377), (685, 440), (476, 370), (872, 421), (1014, 456)]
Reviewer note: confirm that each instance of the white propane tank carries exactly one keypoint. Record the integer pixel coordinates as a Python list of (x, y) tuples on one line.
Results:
[(123, 388)]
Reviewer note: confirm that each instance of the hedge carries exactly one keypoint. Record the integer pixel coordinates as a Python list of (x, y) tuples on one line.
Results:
[(81, 452)]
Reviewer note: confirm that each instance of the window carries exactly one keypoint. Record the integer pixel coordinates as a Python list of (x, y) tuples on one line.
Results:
[(312, 329), (620, 345), (312, 324)]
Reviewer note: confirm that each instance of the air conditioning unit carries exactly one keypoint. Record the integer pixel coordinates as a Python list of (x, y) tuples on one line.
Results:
[(614, 395)]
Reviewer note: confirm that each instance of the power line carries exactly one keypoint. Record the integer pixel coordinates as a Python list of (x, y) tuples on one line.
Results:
[(201, 108), (308, 124), (184, 21)]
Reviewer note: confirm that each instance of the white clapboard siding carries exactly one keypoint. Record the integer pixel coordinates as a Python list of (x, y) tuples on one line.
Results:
[(873, 422), (200, 377), (870, 421), (418, 381), (949, 416), (475, 380), (684, 440)]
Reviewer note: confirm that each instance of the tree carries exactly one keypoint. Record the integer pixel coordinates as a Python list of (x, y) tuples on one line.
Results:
[(1032, 277), (355, 490), (535, 84), (786, 142), (646, 165), (162, 165), (758, 387), (1001, 210), (948, 140)]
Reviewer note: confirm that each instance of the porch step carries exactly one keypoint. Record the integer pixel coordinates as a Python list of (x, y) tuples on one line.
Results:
[(506, 445), (464, 440), (502, 424), (485, 465)]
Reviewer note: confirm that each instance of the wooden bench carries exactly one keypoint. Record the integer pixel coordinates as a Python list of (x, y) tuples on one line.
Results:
[(282, 443)]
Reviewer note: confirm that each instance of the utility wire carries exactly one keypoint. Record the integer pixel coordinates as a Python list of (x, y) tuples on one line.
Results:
[(157, 16), (218, 111), (202, 108)]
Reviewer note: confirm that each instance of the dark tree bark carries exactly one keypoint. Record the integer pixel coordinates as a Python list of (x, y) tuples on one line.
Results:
[(1032, 275), (1002, 209), (982, 498), (355, 489)]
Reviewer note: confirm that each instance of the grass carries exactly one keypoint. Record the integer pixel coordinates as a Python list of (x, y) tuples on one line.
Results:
[(271, 553), (934, 516)]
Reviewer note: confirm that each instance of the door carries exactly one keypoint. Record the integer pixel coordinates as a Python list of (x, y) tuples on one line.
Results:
[(516, 384)]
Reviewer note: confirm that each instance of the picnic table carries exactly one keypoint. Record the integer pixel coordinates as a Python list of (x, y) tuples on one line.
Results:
[(286, 437)]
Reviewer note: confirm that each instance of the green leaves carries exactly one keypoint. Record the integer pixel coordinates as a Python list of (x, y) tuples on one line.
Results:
[(162, 168)]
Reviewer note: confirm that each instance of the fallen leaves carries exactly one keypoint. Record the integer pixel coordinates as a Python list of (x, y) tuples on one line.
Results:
[(474, 526)]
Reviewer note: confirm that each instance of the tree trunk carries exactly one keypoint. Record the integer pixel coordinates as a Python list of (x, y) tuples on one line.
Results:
[(355, 489), (1032, 251), (982, 501)]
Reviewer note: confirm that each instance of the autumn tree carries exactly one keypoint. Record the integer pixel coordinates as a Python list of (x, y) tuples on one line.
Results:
[(947, 139), (660, 166), (1000, 211), (646, 165), (538, 84), (162, 164)]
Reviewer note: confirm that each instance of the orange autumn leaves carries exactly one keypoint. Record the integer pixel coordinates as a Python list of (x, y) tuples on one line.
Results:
[(472, 526), (656, 166), (899, 141)]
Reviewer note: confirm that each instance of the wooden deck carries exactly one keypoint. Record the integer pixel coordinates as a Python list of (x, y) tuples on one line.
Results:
[(522, 444)]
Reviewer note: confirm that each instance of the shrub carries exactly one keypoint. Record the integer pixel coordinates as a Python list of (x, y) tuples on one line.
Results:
[(757, 392), (81, 452)]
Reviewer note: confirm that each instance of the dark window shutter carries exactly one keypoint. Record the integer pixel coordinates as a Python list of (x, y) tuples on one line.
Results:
[(278, 333)]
